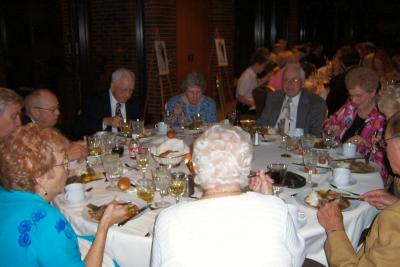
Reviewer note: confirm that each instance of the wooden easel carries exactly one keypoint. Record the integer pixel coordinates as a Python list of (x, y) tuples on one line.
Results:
[(164, 80), (221, 77)]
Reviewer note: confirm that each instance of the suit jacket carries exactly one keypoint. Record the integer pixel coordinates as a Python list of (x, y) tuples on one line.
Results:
[(311, 111), (96, 108), (381, 247)]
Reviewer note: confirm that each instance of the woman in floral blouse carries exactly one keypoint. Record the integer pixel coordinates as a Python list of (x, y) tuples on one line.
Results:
[(192, 102), (359, 120), (33, 170)]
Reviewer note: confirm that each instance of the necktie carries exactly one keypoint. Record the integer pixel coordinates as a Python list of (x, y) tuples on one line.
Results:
[(118, 110), (287, 107)]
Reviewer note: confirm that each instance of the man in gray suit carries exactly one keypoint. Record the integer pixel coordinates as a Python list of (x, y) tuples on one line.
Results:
[(293, 107)]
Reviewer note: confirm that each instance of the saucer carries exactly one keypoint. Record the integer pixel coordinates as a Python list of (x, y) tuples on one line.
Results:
[(83, 202), (352, 181)]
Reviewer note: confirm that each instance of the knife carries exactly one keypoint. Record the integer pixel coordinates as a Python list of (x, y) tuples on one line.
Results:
[(318, 167), (136, 214), (334, 186), (347, 159)]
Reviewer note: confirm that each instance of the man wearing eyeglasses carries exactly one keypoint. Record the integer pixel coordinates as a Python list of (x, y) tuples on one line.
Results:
[(293, 107), (42, 108)]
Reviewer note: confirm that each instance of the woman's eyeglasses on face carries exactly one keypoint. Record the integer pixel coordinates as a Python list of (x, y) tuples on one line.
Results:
[(65, 164)]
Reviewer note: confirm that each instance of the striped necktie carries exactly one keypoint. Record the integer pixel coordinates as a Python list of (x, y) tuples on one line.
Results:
[(118, 110)]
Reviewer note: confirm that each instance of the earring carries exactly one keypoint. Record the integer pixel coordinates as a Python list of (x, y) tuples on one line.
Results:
[(45, 192)]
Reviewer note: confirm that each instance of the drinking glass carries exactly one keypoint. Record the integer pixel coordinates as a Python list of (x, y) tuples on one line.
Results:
[(95, 145), (126, 128), (277, 171), (329, 138), (137, 127), (285, 146), (310, 159), (161, 177), (113, 168), (109, 141), (145, 189), (197, 121), (169, 118), (307, 142), (177, 185), (142, 159)]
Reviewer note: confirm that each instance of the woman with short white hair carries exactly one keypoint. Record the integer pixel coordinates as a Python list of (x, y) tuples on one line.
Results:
[(227, 227)]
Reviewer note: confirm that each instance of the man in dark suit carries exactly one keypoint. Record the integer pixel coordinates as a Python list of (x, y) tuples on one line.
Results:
[(294, 107), (107, 110)]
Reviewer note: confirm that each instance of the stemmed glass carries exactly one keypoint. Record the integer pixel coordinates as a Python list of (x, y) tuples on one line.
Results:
[(113, 168), (329, 138), (145, 189), (310, 159), (142, 159), (161, 177), (177, 185), (277, 171)]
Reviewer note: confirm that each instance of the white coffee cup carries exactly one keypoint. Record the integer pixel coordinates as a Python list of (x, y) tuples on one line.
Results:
[(349, 149), (161, 127), (74, 193), (341, 176), (294, 213)]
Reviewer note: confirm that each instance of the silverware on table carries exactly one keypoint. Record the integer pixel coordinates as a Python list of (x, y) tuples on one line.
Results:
[(334, 186), (318, 167), (131, 167), (345, 159), (89, 189)]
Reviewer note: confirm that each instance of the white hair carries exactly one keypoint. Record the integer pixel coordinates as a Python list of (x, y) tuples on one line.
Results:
[(120, 73), (222, 155), (294, 66)]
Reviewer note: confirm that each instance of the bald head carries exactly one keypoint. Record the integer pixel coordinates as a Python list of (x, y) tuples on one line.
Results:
[(42, 107)]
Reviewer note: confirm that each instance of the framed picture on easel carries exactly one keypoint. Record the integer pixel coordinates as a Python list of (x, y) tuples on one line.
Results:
[(222, 57), (162, 59)]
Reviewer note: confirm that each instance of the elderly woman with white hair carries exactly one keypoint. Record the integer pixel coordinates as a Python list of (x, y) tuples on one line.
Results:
[(227, 227)]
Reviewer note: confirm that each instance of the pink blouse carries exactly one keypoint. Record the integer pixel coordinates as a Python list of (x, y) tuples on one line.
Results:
[(375, 122)]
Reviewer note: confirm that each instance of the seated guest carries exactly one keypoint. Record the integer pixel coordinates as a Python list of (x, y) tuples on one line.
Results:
[(108, 109), (293, 107), (385, 68), (284, 58), (338, 94), (192, 101), (381, 247), (248, 81), (42, 108), (214, 231), (359, 120), (10, 109), (33, 170)]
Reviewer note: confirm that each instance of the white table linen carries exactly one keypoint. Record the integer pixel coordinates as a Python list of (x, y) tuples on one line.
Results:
[(130, 247)]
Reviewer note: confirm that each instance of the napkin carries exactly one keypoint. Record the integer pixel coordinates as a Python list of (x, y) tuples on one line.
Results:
[(171, 144)]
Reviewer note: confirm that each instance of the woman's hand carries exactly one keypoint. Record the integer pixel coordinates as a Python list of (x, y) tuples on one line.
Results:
[(261, 183), (330, 217), (357, 140), (334, 129), (115, 212), (76, 150), (379, 198)]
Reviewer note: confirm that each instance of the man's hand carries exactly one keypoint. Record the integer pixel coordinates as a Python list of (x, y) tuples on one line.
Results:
[(114, 122), (379, 198), (330, 217), (261, 183)]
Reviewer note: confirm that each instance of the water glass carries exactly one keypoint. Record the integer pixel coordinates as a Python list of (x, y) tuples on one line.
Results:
[(137, 126), (113, 168), (161, 177), (310, 159), (95, 145), (142, 159), (126, 128)]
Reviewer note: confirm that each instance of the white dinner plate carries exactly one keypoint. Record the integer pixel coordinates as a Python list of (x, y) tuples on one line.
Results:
[(304, 193)]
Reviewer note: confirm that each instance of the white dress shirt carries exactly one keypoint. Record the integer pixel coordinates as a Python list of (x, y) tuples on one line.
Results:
[(250, 229), (113, 103)]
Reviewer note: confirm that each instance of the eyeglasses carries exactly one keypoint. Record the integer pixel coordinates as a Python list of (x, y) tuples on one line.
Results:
[(65, 164), (52, 110), (293, 80)]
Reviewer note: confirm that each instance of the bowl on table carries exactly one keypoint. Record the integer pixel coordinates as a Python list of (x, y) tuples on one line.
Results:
[(171, 160)]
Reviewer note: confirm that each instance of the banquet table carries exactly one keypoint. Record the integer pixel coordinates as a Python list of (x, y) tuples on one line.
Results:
[(130, 245)]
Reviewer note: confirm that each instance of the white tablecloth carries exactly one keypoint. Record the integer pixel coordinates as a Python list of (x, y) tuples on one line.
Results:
[(130, 247)]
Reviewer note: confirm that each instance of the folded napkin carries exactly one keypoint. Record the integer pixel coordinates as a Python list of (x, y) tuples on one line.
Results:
[(177, 145)]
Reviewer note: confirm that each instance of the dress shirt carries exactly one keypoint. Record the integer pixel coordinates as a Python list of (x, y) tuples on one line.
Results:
[(113, 103)]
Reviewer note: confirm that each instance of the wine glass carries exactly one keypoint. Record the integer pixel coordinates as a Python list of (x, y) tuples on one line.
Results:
[(161, 177), (310, 159), (145, 189), (277, 172), (177, 185), (113, 168), (142, 159), (329, 138), (307, 142)]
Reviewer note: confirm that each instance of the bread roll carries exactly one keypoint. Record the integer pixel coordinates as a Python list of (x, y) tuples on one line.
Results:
[(124, 183)]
